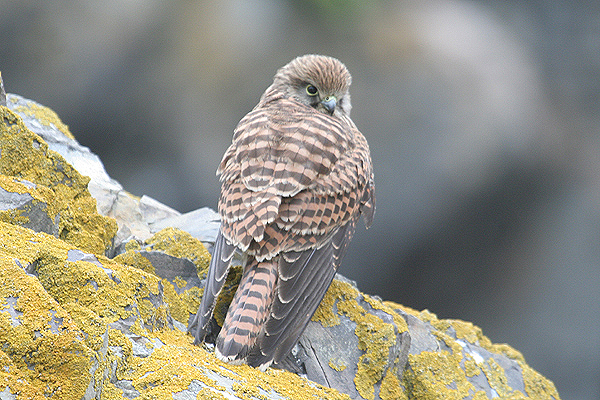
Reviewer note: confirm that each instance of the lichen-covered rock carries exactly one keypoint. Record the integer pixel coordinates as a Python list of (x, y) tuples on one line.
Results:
[(78, 325), (48, 190), (453, 359), (371, 349), (44, 353), (75, 324), (181, 261), (354, 343), (134, 215)]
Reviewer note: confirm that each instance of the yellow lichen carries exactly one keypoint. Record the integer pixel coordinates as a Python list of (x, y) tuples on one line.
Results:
[(135, 259), (380, 305), (390, 387), (375, 337), (111, 392), (87, 298), (496, 377), (337, 365), (177, 243), (179, 282), (133, 245), (207, 394), (25, 156), (431, 376), (438, 375), (45, 346), (325, 313), (172, 367), (471, 368), (536, 385), (45, 116)]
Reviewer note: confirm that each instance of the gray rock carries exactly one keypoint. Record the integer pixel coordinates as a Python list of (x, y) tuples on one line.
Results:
[(6, 394), (32, 212), (133, 214), (101, 186), (331, 355), (202, 223), (2, 93), (170, 268)]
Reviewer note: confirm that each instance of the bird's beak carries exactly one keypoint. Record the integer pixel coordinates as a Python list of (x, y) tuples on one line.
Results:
[(329, 103)]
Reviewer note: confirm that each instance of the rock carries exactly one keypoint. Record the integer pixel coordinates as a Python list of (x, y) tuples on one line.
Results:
[(354, 343), (202, 224), (454, 359), (40, 339), (91, 325), (2, 92), (17, 196), (41, 189), (45, 123), (132, 214), (75, 323)]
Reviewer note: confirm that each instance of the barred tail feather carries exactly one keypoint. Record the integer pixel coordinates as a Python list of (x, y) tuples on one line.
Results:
[(248, 311)]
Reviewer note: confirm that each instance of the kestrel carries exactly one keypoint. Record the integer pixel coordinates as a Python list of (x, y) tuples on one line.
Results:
[(295, 180)]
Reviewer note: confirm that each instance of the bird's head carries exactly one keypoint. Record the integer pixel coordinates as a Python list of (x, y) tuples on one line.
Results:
[(320, 82)]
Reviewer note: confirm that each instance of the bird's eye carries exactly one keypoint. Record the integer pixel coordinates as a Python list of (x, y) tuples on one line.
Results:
[(311, 90)]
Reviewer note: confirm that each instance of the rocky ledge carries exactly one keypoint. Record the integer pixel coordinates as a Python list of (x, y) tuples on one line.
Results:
[(97, 287)]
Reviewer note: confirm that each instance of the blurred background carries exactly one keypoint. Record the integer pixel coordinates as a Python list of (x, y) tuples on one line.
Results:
[(482, 117)]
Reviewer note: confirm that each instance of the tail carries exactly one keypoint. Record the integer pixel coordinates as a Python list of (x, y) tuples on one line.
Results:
[(248, 310)]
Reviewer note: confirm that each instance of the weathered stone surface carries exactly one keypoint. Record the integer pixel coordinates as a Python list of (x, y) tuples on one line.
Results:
[(202, 223), (354, 343), (44, 353), (2, 92), (76, 324), (17, 197), (60, 201), (134, 215), (454, 358)]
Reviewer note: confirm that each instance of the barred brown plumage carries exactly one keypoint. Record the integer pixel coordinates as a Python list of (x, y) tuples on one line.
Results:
[(294, 181)]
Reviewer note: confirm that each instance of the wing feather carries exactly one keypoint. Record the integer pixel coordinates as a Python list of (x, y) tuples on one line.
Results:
[(217, 273), (310, 277)]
